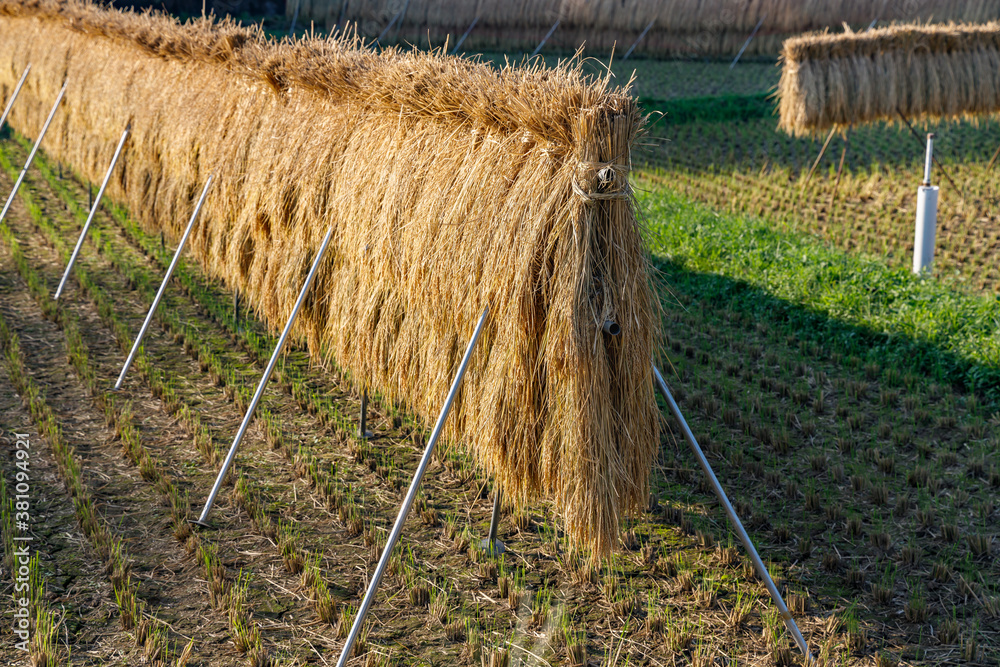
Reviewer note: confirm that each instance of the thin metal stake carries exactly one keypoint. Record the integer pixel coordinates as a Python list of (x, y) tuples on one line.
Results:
[(31, 155), (363, 431), (747, 43), (758, 564), (163, 286), (840, 169), (461, 39), (389, 27), (819, 157), (397, 527), (17, 89), (263, 381), (295, 17), (93, 209), (638, 39), (993, 159), (920, 140), (236, 310), (491, 544), (546, 38)]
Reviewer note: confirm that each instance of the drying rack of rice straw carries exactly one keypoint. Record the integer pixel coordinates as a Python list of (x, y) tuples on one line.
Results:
[(898, 73), (392, 209)]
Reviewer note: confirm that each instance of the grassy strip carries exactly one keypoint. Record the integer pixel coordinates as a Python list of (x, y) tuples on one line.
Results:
[(856, 304), (712, 109)]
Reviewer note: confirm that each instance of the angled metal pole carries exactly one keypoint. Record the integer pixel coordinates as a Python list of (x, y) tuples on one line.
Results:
[(638, 39), (758, 564), (920, 140), (819, 157), (93, 209), (465, 34), (840, 169), (993, 159), (295, 17), (263, 381), (163, 286), (389, 27), (747, 43), (546, 38), (491, 544), (31, 155), (17, 89), (397, 527)]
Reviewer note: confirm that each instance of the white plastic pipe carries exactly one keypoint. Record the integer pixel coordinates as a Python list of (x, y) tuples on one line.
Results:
[(923, 238), (927, 199)]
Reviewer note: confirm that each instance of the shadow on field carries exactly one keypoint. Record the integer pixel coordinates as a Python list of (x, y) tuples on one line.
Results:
[(740, 132), (717, 295)]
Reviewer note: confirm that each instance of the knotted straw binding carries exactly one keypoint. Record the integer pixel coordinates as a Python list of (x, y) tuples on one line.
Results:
[(605, 174)]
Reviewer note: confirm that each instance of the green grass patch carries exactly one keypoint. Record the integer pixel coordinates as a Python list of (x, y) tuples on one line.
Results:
[(711, 109), (852, 303)]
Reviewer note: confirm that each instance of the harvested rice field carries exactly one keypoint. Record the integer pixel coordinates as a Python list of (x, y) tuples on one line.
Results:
[(850, 410)]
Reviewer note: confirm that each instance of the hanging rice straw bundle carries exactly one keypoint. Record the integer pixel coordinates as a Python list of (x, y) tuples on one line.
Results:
[(919, 71), (450, 185)]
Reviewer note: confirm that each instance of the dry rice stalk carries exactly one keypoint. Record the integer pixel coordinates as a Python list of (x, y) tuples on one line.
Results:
[(451, 186), (701, 27), (917, 71)]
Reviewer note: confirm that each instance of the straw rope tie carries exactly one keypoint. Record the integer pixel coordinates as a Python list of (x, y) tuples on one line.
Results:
[(606, 175)]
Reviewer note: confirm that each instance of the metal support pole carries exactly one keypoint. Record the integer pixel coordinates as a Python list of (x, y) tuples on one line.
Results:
[(295, 18), (638, 39), (386, 30), (546, 38), (920, 140), (819, 157), (17, 89), (840, 169), (163, 286), (397, 527), (263, 381), (758, 564), (363, 431), (491, 544), (31, 155), (747, 43), (93, 210), (465, 34), (993, 159)]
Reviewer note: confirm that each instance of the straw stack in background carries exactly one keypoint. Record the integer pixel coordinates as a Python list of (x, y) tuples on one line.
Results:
[(451, 186), (921, 71), (679, 27)]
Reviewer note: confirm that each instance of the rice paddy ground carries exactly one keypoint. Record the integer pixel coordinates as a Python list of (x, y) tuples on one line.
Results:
[(854, 426)]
